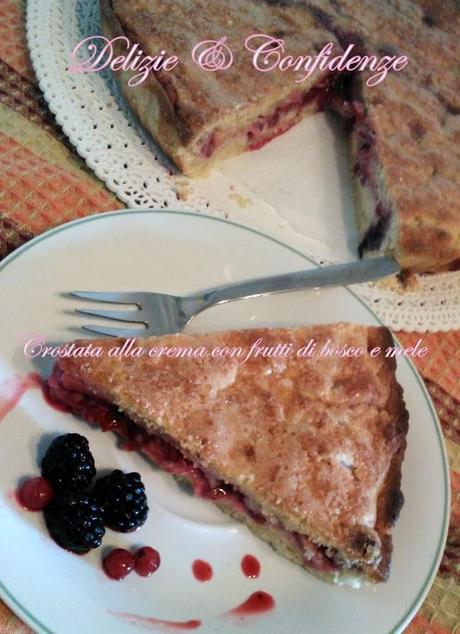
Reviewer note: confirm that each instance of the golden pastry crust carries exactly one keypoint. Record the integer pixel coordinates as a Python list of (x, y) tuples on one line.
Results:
[(316, 443)]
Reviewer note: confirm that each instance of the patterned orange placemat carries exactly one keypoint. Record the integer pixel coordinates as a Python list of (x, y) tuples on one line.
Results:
[(43, 183)]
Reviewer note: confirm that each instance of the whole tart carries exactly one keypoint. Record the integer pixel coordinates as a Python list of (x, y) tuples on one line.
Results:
[(405, 131)]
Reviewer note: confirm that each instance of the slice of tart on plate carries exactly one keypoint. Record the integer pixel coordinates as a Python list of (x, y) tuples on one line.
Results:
[(306, 451)]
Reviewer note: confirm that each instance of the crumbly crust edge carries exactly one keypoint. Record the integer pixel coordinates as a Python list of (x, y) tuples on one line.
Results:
[(390, 499)]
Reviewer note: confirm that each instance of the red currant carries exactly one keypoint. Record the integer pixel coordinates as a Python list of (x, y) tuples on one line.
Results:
[(147, 561), (35, 494), (118, 563)]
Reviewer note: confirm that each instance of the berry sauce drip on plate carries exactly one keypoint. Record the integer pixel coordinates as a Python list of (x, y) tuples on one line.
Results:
[(257, 603), (148, 621), (202, 571), (13, 389), (250, 566)]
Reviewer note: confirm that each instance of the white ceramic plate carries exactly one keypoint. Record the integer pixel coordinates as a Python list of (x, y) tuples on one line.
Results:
[(55, 591)]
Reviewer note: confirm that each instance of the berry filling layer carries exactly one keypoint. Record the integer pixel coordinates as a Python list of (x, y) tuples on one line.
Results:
[(267, 127), (64, 390)]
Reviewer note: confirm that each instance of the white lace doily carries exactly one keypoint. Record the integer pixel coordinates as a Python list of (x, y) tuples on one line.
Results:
[(99, 124)]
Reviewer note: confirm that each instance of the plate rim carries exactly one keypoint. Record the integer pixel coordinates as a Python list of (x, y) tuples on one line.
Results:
[(22, 612)]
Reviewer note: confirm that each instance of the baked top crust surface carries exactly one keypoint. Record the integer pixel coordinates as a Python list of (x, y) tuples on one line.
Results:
[(315, 443), (202, 98)]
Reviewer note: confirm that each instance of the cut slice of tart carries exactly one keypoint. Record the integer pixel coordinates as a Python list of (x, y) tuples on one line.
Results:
[(306, 451)]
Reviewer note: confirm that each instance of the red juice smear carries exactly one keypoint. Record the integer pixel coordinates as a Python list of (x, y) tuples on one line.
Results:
[(13, 389), (250, 566), (258, 603), (151, 623), (202, 571)]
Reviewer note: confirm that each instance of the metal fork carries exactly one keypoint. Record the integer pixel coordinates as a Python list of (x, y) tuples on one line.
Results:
[(160, 313)]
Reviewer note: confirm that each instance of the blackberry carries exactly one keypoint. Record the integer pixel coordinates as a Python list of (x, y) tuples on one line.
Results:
[(75, 522), (122, 496), (68, 464)]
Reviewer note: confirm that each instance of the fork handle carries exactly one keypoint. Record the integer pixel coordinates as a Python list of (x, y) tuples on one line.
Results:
[(341, 274)]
